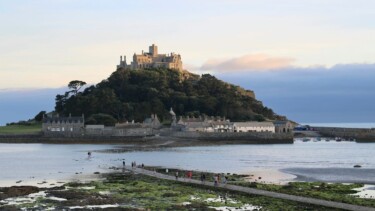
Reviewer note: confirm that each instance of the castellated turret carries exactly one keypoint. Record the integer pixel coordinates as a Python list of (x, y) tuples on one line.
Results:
[(153, 59), (153, 50)]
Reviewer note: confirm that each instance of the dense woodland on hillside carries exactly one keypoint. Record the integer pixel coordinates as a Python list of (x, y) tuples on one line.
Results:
[(135, 94)]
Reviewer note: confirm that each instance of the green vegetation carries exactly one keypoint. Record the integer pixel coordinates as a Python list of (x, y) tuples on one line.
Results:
[(12, 129), (139, 192), (39, 116), (135, 94), (101, 119), (333, 192)]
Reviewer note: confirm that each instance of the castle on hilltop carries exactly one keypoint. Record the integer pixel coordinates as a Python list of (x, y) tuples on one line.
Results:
[(152, 59)]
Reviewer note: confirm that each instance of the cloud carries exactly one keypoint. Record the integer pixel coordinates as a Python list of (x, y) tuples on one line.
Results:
[(250, 62), (341, 93)]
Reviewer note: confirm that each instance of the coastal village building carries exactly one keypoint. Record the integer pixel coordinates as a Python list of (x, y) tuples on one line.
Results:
[(151, 122), (283, 126), (63, 126), (218, 124), (222, 126), (152, 59), (204, 124), (254, 127), (197, 127)]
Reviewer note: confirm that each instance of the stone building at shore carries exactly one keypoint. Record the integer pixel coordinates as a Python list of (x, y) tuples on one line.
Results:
[(63, 126), (220, 124), (75, 127)]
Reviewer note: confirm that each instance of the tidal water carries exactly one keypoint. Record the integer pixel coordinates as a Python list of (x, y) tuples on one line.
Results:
[(54, 161), (346, 125)]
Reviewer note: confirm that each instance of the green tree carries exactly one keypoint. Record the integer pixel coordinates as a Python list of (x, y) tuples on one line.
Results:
[(101, 119), (76, 85), (39, 116), (135, 94)]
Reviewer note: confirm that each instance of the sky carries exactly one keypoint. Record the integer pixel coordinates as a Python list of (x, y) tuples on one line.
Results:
[(310, 60)]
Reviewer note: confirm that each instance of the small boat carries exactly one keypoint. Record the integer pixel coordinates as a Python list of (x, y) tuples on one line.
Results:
[(357, 166), (338, 139), (305, 139), (351, 139)]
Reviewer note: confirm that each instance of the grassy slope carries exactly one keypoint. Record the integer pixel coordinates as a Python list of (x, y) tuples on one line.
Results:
[(20, 129)]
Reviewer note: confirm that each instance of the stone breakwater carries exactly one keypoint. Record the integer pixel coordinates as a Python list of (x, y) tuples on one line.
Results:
[(251, 137), (39, 138), (360, 134), (156, 136)]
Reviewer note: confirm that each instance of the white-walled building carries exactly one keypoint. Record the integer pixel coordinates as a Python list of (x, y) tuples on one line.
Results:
[(283, 126), (253, 127)]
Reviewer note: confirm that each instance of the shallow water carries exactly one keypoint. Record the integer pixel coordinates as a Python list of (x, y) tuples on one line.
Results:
[(53, 161)]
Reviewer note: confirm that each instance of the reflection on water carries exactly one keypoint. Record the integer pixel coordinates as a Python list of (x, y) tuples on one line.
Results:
[(51, 161)]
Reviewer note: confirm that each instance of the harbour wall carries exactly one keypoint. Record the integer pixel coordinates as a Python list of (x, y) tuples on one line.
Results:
[(360, 134), (112, 135), (256, 137)]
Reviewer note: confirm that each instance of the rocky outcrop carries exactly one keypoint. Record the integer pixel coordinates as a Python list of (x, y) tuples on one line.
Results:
[(15, 191)]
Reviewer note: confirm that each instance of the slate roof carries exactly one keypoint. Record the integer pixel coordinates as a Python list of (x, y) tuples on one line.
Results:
[(63, 119)]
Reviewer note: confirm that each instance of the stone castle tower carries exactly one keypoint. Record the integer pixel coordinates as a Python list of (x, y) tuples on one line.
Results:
[(152, 59)]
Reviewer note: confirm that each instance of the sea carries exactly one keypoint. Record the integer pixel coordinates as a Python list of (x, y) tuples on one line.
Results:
[(345, 125), (310, 161)]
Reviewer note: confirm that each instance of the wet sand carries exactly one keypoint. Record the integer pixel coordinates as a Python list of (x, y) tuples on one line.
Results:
[(366, 192), (270, 176), (336, 175), (49, 183)]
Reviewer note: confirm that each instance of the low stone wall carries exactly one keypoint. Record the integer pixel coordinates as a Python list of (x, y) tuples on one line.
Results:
[(69, 140), (134, 132), (31, 135), (250, 136), (15, 138), (105, 132), (119, 132), (356, 133)]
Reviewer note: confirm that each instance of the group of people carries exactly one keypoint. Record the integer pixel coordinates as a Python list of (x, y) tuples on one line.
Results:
[(188, 174), (217, 178), (134, 165), (220, 179)]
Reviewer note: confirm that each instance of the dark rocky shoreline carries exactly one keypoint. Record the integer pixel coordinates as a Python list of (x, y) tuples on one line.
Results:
[(136, 142)]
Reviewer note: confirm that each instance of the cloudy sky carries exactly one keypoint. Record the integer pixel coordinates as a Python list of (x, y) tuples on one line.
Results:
[(311, 60)]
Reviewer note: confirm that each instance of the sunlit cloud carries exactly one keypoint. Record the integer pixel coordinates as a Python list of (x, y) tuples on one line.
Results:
[(250, 62)]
